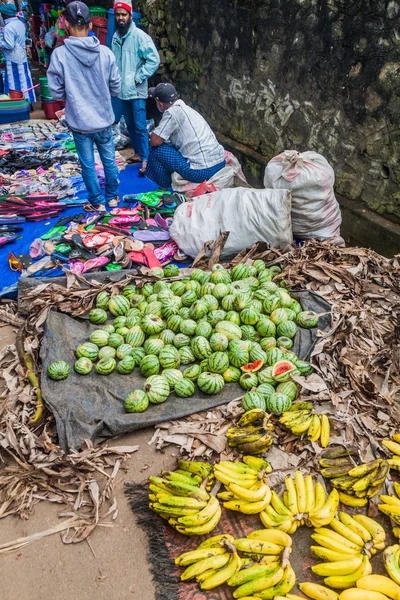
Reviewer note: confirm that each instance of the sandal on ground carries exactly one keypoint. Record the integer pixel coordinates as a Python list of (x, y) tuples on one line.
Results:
[(114, 202), (92, 208)]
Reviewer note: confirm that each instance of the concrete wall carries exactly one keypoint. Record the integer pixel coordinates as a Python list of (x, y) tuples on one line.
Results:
[(303, 74)]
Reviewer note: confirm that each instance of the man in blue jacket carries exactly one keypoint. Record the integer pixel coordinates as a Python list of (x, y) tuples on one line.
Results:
[(85, 75), (137, 60)]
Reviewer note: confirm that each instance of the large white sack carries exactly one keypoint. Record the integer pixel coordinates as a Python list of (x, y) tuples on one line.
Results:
[(310, 178), (249, 215), (221, 180)]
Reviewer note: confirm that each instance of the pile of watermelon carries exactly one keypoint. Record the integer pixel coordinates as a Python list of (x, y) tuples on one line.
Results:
[(212, 328)]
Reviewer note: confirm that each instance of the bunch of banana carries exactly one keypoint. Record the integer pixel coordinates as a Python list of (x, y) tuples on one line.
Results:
[(271, 574), (394, 446), (391, 507), (212, 563), (246, 485), (391, 560), (252, 434), (300, 419), (316, 592), (356, 483), (373, 587), (346, 547), (303, 503), (180, 498)]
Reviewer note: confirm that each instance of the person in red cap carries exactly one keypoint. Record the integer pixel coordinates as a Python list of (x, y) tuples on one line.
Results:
[(137, 60)]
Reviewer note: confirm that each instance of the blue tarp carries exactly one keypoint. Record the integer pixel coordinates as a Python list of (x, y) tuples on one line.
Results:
[(131, 183)]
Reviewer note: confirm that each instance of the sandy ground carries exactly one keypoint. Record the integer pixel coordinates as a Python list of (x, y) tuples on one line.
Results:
[(114, 566)]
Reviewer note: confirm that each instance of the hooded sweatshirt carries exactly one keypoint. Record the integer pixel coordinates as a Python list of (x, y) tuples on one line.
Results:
[(85, 75)]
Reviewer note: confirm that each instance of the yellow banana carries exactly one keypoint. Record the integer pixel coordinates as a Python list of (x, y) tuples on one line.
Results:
[(302, 427), (376, 530), (396, 532), (246, 507), (250, 573), (202, 469), (238, 467), (216, 541), (258, 464), (300, 406), (273, 517), (390, 500), (156, 489), (239, 476), (283, 587), (279, 506), (323, 516), (225, 496), (227, 479), (355, 527), (291, 495), (330, 555), (357, 594), (201, 516), (310, 494), (343, 567), (195, 478), (188, 558), (224, 574), (179, 488), (380, 583), (394, 447), (288, 597), (365, 468), (396, 437), (325, 431), (348, 500), (260, 492), (269, 535), (364, 483), (296, 417), (300, 491), (340, 539), (391, 557), (205, 575), (396, 488), (178, 501), (201, 529), (182, 476), (173, 511), (314, 431), (259, 584), (317, 592), (255, 416), (320, 496), (342, 582), (346, 532), (331, 544), (213, 562), (257, 547), (270, 524)]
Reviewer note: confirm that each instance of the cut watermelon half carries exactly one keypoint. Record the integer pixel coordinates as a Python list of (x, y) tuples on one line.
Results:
[(282, 369), (254, 366)]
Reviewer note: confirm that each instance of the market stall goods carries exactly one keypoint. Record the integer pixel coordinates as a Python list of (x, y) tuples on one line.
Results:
[(252, 433), (301, 419)]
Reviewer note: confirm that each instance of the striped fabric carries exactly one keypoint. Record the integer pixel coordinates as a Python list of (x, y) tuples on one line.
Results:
[(18, 77)]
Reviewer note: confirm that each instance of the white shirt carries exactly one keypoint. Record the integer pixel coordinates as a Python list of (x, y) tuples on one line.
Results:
[(189, 133)]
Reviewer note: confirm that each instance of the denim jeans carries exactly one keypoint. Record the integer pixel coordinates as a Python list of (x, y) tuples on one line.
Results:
[(134, 112), (104, 141)]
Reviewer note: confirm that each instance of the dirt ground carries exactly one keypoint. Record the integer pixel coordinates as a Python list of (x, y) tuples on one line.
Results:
[(114, 566)]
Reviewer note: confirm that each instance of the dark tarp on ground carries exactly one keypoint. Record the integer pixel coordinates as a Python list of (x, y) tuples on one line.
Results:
[(91, 407)]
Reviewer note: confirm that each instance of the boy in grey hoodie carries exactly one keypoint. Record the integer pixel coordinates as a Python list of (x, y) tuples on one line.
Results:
[(85, 75)]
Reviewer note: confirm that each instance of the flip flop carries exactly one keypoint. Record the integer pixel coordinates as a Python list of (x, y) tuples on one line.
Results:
[(167, 251), (95, 263), (54, 233), (95, 240), (77, 241), (36, 249), (149, 235)]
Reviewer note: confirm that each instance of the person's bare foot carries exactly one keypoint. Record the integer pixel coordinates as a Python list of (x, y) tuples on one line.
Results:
[(142, 170)]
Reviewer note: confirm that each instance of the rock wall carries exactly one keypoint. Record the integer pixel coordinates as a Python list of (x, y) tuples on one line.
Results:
[(303, 74)]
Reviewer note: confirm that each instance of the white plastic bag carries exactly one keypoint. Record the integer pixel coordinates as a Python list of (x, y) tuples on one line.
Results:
[(249, 215), (310, 178)]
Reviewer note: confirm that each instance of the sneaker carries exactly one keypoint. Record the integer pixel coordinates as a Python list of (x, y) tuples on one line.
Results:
[(114, 202), (94, 208)]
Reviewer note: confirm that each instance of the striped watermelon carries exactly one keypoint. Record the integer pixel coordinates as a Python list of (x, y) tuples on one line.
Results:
[(172, 376), (122, 331), (216, 316), (274, 355), (119, 322), (210, 383), (138, 354), (232, 317), (58, 370), (107, 351), (129, 290), (184, 313), (102, 300), (249, 333), (203, 329), (167, 336), (206, 289), (186, 355), (307, 319), (192, 372), (169, 358), (198, 275), (88, 350), (178, 288), (126, 365), (287, 329), (174, 323), (154, 308), (265, 390), (99, 337), (259, 265), (238, 354), (304, 367), (284, 342), (189, 298), (231, 375), (267, 343), (147, 290), (184, 388), (218, 362), (278, 403), (253, 400), (118, 305), (97, 316), (240, 271), (219, 342), (286, 299), (171, 270), (201, 347), (108, 328), (198, 310), (281, 370), (115, 340), (265, 376), (135, 337), (249, 316), (272, 303), (211, 301), (188, 327), (230, 330), (289, 388), (257, 353), (83, 366), (105, 366), (149, 365), (124, 350), (242, 301), (264, 276), (220, 291), (136, 402), (296, 307), (221, 276), (170, 307), (153, 324), (153, 346), (278, 316), (163, 291), (157, 389), (228, 301), (265, 327), (248, 381)]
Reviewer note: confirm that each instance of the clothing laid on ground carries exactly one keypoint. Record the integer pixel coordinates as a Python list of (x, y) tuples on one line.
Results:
[(190, 149), (189, 133), (137, 60), (104, 142), (134, 112), (165, 160), (17, 73), (84, 74)]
